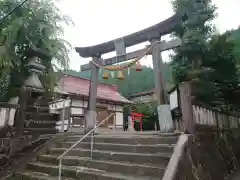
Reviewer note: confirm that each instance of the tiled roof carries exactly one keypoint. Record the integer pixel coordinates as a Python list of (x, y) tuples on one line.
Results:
[(152, 91), (80, 86), (143, 93)]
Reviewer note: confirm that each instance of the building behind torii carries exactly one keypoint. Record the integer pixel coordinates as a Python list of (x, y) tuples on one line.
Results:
[(73, 109)]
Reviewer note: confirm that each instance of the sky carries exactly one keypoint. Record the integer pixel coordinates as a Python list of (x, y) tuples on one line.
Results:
[(98, 21)]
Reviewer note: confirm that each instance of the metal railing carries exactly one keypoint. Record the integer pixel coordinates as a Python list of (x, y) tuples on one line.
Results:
[(80, 140)]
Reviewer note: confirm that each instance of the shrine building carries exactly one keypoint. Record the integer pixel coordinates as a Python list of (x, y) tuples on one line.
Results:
[(74, 107)]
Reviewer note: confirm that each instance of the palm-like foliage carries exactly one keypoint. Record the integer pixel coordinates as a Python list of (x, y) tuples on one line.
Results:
[(34, 26)]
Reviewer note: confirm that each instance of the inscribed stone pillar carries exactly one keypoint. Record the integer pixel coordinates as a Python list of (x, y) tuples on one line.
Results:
[(91, 110), (164, 111)]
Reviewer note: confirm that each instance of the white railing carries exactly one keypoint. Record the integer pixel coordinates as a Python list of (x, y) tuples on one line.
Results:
[(7, 113), (91, 132)]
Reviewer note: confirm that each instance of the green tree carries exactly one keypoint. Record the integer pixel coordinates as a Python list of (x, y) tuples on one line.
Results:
[(223, 63), (208, 58), (222, 78), (34, 27), (190, 60), (234, 36), (194, 31)]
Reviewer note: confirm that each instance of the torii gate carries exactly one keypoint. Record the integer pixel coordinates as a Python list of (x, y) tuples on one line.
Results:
[(152, 34)]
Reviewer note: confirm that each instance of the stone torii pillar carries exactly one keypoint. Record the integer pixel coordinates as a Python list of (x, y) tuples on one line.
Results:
[(91, 110), (91, 114), (163, 108)]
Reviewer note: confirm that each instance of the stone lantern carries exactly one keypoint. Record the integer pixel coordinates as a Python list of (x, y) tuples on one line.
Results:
[(35, 68)]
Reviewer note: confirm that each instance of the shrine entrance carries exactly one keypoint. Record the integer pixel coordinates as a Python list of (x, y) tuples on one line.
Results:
[(153, 35), (102, 113)]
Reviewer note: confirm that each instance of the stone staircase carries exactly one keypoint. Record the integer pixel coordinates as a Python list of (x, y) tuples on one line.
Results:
[(115, 157)]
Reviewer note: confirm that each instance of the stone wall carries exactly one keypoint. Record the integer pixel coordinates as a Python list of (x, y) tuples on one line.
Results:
[(10, 147), (210, 155), (13, 149), (214, 153), (213, 150)]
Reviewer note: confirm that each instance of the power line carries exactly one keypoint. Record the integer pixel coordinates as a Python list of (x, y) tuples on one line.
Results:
[(14, 9)]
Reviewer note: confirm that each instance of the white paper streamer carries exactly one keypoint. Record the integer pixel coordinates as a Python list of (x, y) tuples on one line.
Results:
[(112, 74), (128, 71)]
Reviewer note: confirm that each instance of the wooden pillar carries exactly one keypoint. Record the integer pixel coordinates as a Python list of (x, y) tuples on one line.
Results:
[(186, 107), (22, 111), (91, 110)]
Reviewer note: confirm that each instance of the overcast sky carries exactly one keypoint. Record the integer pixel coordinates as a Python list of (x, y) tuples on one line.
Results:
[(97, 21)]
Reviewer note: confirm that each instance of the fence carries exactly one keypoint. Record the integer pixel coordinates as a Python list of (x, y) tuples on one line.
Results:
[(194, 115), (194, 150), (7, 113), (214, 118)]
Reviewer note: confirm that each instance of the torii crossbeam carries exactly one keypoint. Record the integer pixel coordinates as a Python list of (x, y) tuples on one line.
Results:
[(152, 34)]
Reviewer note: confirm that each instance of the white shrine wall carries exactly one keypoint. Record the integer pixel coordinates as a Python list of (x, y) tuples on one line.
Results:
[(77, 108)]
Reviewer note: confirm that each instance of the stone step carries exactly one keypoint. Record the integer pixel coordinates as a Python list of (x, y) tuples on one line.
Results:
[(78, 172), (42, 124), (139, 148), (38, 109), (143, 133), (30, 175), (40, 131), (109, 166), (133, 140), (141, 158), (43, 116)]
